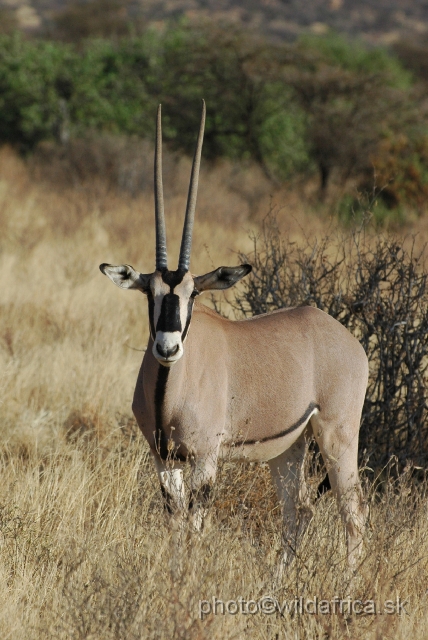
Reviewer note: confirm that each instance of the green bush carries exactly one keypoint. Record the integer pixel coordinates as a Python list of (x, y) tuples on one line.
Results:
[(30, 88), (110, 88), (251, 113), (369, 205), (354, 56), (401, 169)]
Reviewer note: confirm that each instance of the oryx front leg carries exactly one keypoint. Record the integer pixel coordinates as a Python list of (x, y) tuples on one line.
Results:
[(203, 477), (287, 471), (173, 490)]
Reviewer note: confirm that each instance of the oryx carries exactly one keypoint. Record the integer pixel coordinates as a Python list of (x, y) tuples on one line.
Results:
[(252, 389)]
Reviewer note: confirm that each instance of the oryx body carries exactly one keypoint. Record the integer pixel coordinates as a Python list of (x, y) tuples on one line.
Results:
[(210, 387)]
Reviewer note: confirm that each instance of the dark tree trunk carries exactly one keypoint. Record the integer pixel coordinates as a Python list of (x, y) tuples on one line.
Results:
[(324, 175)]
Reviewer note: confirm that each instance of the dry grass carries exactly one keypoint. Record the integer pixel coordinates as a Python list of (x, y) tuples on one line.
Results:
[(85, 550)]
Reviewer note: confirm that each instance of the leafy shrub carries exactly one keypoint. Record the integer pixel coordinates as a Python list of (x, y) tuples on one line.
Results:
[(352, 98), (401, 169), (378, 289), (43, 84), (371, 205), (353, 55), (30, 93), (251, 112)]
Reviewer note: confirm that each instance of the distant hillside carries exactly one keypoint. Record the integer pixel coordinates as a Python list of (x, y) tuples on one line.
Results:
[(378, 21)]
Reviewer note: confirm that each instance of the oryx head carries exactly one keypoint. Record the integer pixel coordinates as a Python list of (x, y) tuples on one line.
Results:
[(171, 294)]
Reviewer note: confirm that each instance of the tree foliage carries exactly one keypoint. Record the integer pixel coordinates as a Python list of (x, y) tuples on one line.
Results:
[(322, 104)]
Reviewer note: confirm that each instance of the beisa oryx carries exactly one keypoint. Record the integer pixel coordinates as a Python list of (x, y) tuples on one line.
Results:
[(253, 389)]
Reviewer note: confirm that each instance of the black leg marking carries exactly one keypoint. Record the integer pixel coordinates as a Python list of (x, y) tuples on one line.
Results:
[(201, 495), (293, 427), (323, 486), (167, 500)]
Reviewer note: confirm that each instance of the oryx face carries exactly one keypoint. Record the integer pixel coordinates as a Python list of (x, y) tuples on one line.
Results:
[(171, 298), (171, 294)]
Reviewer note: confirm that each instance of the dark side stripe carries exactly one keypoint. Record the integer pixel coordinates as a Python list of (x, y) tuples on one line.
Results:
[(161, 439), (160, 389), (293, 427)]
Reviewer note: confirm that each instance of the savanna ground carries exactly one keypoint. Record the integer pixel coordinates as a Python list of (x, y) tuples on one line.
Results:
[(85, 549)]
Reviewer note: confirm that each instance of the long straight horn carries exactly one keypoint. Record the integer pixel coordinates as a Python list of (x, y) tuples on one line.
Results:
[(186, 241), (161, 255)]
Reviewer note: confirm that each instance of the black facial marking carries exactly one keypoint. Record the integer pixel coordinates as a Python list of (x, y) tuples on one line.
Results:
[(293, 427), (169, 318), (202, 495), (173, 278), (189, 317), (151, 314)]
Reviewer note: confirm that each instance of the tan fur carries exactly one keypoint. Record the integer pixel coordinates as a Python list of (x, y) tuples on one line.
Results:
[(244, 389), (252, 379)]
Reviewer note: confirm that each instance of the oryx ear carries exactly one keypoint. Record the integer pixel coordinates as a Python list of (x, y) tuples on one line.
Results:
[(125, 277), (221, 278)]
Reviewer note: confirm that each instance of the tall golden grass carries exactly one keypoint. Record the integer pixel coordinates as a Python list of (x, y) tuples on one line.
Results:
[(85, 549)]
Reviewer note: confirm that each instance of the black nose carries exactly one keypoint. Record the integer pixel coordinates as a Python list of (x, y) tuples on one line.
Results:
[(166, 353)]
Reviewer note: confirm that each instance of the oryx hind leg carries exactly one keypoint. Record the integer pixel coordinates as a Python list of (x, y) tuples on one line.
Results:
[(338, 442), (287, 472)]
